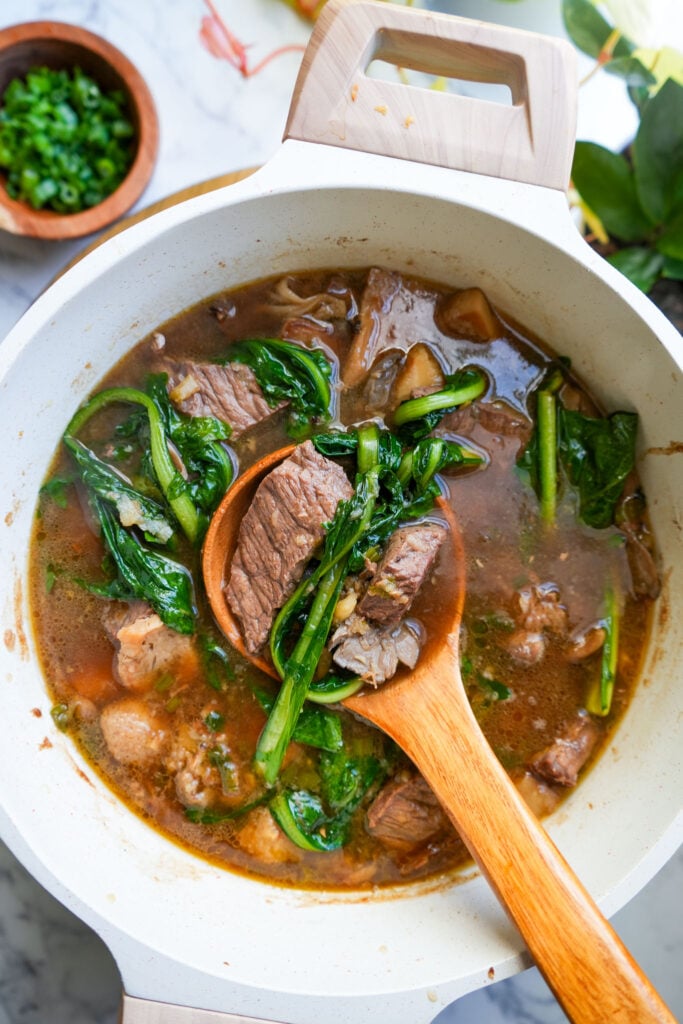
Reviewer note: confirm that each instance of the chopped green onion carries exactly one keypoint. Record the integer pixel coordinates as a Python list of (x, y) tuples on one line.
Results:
[(64, 143)]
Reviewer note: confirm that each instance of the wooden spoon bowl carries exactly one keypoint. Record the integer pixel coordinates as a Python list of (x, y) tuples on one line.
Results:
[(428, 714), (60, 46)]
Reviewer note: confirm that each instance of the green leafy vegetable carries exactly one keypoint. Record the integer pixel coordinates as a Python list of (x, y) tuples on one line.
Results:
[(145, 574), (107, 483), (333, 688), (346, 779), (168, 477), (56, 489), (64, 143), (215, 662), (214, 721), (599, 700), (432, 455), (297, 670), (315, 727), (417, 417), (199, 443), (207, 816), (288, 372), (597, 455)]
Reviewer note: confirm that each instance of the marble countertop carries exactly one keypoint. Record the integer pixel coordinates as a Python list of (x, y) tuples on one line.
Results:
[(53, 968)]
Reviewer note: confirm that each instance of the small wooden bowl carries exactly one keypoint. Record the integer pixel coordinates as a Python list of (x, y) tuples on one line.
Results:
[(59, 46)]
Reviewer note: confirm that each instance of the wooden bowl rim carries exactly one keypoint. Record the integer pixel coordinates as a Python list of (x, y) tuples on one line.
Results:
[(18, 217)]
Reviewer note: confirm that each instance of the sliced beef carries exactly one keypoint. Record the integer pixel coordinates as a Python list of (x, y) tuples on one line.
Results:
[(405, 814), (279, 534), (561, 762), (230, 393), (134, 733), (375, 652), (145, 647), (394, 314), (477, 419), (403, 568)]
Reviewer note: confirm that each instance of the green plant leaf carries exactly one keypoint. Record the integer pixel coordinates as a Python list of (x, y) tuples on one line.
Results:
[(672, 269), (588, 30), (606, 183), (658, 152), (641, 266), (632, 71), (670, 242), (663, 64)]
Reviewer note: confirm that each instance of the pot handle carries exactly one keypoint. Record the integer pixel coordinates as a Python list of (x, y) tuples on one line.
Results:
[(337, 104), (147, 1011)]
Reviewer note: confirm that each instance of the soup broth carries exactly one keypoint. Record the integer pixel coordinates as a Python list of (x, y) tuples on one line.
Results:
[(559, 589)]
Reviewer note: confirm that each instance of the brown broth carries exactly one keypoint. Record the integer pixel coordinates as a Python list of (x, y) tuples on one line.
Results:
[(506, 548)]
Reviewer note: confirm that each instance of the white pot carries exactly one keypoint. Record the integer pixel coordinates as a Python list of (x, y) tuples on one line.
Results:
[(183, 931)]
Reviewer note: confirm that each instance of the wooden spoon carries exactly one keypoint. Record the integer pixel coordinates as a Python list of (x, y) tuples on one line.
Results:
[(426, 712)]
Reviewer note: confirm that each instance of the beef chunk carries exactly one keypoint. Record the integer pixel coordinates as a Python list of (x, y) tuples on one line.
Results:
[(230, 393), (561, 762), (278, 536), (394, 314), (145, 647), (405, 814), (540, 609), (374, 652), (406, 563), (538, 612)]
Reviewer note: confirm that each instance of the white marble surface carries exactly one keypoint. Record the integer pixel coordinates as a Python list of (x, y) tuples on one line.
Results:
[(52, 968)]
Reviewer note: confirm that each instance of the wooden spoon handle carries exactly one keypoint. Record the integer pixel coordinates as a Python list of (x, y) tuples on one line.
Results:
[(336, 103), (586, 965)]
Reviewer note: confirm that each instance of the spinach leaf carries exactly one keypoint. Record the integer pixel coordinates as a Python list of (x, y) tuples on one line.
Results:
[(288, 372), (199, 443), (297, 670), (170, 481), (108, 484), (434, 454), (315, 727), (597, 455), (337, 444), (346, 779), (145, 574)]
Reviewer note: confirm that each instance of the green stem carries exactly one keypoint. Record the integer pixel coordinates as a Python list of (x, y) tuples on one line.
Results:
[(547, 444), (170, 480), (599, 701), (368, 447), (416, 408), (299, 672)]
